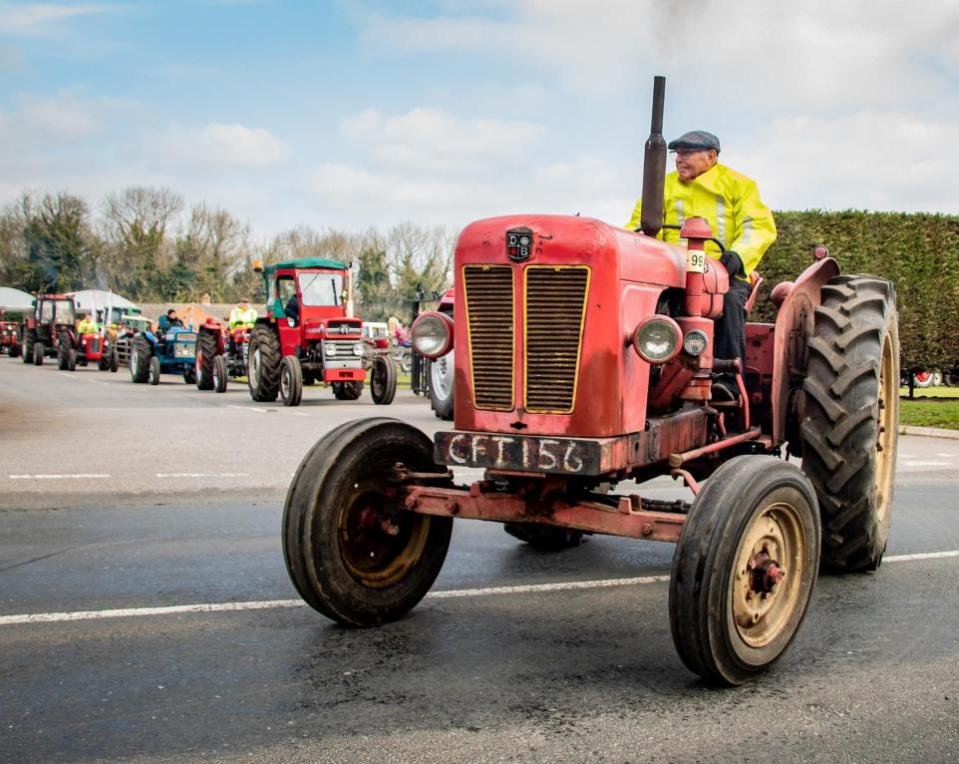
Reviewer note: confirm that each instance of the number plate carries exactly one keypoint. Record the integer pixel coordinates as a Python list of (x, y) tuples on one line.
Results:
[(516, 452), (695, 261)]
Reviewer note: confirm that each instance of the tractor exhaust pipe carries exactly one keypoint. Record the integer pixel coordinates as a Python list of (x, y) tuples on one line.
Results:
[(654, 165)]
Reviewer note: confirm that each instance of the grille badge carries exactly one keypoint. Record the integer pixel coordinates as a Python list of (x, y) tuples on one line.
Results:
[(519, 244)]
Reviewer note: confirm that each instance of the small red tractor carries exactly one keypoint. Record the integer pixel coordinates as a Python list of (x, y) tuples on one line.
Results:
[(89, 347), (585, 359), (10, 338), (310, 335), (52, 314)]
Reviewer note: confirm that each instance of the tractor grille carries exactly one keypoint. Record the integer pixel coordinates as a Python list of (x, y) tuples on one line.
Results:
[(489, 311), (93, 346), (555, 311)]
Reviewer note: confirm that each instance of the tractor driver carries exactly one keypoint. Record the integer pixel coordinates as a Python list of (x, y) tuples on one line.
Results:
[(243, 316), (169, 321), (87, 325), (730, 202)]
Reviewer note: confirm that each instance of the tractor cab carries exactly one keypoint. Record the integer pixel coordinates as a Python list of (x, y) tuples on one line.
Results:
[(52, 314)]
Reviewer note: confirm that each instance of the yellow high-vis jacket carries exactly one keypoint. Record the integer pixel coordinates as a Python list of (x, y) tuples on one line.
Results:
[(87, 327), (730, 202), (240, 317)]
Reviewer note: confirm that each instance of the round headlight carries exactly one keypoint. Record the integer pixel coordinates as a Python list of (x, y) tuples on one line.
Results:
[(695, 342), (432, 334), (330, 349), (358, 348), (657, 339)]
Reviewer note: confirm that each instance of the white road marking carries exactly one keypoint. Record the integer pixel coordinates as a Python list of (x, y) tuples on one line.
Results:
[(920, 556), (916, 463), (221, 607), (200, 474), (249, 408), (78, 476)]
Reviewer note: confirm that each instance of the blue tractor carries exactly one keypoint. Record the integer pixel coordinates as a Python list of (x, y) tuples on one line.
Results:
[(169, 352)]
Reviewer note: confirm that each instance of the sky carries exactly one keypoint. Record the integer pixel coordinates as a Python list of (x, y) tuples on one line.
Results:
[(347, 114)]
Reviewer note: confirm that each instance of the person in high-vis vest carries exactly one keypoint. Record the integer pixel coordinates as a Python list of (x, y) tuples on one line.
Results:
[(243, 316), (730, 202), (87, 325)]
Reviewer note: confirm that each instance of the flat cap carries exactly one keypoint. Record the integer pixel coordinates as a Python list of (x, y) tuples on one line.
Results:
[(695, 139)]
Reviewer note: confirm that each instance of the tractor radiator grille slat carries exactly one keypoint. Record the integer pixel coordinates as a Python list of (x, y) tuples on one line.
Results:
[(555, 301), (489, 310)]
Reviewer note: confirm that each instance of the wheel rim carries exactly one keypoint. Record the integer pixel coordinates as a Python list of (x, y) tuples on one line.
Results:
[(888, 422), (216, 377), (134, 363), (440, 377), (378, 542), (285, 382), (766, 586), (198, 366)]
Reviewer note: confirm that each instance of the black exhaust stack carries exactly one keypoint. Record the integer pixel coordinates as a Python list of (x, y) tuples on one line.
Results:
[(654, 165)]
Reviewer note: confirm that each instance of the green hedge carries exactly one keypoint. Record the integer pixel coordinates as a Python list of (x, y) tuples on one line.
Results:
[(918, 252)]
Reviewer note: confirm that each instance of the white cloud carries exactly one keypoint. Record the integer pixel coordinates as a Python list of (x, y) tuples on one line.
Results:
[(876, 160), (217, 145), (436, 142), (817, 54), (40, 18)]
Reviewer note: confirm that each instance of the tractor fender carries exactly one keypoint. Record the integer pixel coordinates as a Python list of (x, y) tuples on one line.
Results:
[(151, 337), (795, 324)]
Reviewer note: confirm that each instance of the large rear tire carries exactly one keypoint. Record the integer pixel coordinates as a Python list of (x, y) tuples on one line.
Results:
[(206, 352), (63, 352), (441, 386), (548, 538), (383, 381), (353, 552), (220, 374), (347, 391), (263, 364), (29, 339), (744, 568), (291, 381), (140, 354), (850, 433)]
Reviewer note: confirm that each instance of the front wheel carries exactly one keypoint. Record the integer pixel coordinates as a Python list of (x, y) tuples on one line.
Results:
[(38, 352), (154, 371), (383, 381), (291, 381), (353, 552), (114, 359), (744, 568)]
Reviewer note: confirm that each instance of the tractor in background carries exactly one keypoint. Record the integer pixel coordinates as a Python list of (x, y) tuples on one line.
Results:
[(10, 338), (170, 352), (585, 358), (309, 335), (74, 348), (52, 314)]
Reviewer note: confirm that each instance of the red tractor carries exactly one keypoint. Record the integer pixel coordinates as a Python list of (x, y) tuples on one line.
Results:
[(10, 338), (585, 359), (89, 347), (52, 314), (309, 335)]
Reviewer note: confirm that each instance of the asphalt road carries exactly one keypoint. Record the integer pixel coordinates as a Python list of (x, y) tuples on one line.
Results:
[(213, 657)]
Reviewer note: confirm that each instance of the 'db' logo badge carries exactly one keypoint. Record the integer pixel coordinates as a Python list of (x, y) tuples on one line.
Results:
[(519, 244)]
